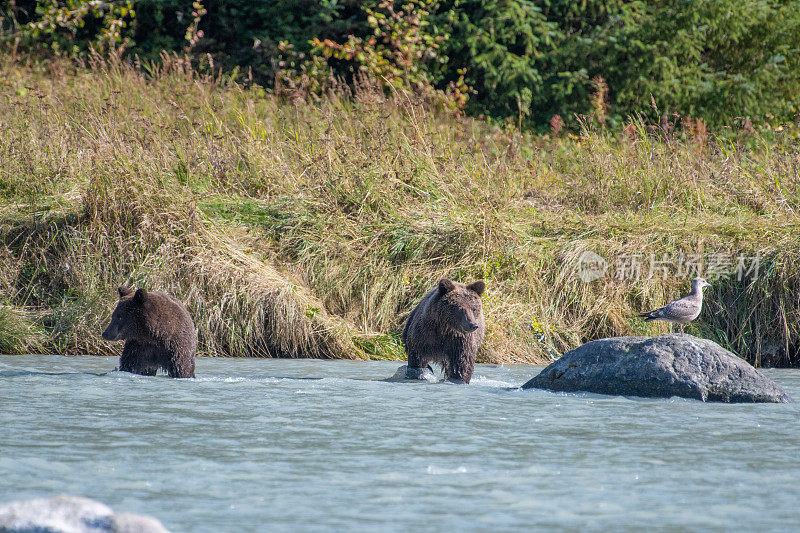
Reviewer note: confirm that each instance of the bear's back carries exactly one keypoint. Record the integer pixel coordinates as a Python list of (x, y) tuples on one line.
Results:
[(172, 327), (421, 318), (168, 316)]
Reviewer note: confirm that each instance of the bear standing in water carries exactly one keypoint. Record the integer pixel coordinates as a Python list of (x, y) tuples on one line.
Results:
[(158, 333), (446, 328)]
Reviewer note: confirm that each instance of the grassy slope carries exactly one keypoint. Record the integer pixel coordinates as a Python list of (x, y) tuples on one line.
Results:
[(300, 229)]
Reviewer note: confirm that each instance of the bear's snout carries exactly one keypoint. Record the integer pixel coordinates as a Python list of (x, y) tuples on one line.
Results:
[(110, 334), (468, 324)]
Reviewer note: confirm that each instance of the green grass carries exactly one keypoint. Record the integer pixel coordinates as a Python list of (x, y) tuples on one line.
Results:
[(301, 228), (18, 332)]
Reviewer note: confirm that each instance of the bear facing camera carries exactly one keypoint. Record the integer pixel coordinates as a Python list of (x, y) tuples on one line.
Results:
[(446, 328), (158, 332)]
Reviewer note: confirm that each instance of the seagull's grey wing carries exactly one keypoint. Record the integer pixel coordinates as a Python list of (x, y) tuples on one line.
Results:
[(685, 308), (652, 315)]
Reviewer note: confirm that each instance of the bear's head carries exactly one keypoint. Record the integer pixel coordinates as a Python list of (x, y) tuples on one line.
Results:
[(460, 305), (128, 319)]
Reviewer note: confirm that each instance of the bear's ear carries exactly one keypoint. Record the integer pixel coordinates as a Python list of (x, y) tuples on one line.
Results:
[(123, 292), (140, 296), (478, 287), (445, 286)]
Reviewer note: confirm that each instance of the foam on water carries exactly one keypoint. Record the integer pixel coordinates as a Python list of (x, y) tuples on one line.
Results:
[(306, 445), (483, 381), (238, 380), (437, 471)]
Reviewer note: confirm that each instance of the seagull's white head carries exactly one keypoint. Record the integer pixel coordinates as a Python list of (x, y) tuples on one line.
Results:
[(699, 283)]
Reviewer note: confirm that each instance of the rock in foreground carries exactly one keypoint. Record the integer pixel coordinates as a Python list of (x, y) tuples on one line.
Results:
[(74, 515), (660, 367), (404, 373)]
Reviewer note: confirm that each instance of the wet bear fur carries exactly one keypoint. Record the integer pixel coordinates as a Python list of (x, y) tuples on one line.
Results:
[(158, 333), (446, 328)]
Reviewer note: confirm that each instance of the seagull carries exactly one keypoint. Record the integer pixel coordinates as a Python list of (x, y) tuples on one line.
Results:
[(683, 310)]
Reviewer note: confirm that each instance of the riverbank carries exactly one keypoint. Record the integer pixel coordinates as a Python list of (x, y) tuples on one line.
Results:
[(299, 228)]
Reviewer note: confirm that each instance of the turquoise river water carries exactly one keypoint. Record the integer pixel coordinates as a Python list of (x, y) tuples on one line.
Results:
[(263, 445)]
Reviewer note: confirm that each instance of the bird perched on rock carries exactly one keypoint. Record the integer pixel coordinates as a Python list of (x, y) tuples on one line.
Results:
[(683, 310)]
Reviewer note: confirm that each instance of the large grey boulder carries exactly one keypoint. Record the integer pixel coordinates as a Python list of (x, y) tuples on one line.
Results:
[(669, 365), (70, 514)]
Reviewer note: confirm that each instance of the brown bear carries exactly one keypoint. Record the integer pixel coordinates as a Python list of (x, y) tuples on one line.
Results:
[(158, 333), (445, 328)]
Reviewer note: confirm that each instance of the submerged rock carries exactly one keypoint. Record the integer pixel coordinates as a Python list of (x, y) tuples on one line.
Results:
[(74, 515), (404, 373), (660, 367)]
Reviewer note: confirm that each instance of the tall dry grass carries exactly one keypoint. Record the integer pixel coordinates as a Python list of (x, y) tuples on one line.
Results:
[(310, 228)]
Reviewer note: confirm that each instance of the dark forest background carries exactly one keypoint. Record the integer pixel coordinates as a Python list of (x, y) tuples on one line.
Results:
[(515, 60)]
